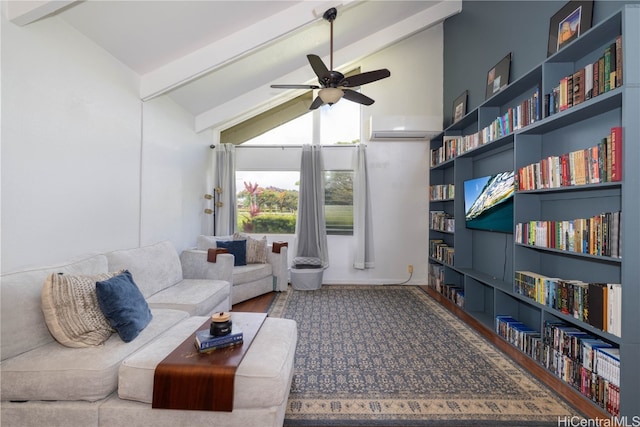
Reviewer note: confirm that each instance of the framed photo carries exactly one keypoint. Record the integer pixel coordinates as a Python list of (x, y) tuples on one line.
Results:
[(498, 77), (568, 23), (460, 106)]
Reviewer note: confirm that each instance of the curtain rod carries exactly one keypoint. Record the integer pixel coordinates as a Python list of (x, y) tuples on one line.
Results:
[(290, 146)]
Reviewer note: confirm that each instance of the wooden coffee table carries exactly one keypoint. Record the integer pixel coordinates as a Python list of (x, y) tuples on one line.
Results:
[(188, 379)]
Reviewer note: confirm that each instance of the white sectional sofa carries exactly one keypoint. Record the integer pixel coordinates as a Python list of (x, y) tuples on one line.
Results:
[(46, 383)]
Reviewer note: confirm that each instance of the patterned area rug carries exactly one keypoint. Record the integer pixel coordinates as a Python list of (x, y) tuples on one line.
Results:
[(391, 355)]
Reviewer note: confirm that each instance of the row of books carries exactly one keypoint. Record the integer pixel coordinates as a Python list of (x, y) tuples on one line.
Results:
[(205, 342), (517, 117), (452, 292), (587, 363), (595, 78), (600, 163), (454, 145), (445, 152), (441, 192), (439, 250), (597, 304), (599, 235), (440, 220), (521, 336)]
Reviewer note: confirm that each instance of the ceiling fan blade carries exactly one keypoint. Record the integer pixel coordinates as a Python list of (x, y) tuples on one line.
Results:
[(316, 103), (354, 96), (295, 87), (364, 78), (318, 66)]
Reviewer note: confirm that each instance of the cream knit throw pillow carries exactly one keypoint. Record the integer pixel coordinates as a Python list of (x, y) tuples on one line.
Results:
[(256, 248), (71, 309)]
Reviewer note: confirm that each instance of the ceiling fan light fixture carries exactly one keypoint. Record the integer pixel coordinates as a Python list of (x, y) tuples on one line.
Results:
[(330, 95), (332, 84)]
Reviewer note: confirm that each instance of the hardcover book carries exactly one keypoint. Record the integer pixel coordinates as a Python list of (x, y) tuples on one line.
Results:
[(578, 87), (207, 342), (616, 153)]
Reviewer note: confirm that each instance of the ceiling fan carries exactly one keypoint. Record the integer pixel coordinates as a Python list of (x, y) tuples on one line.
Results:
[(333, 84)]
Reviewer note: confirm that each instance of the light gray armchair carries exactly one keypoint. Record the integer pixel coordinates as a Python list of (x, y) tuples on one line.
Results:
[(248, 281)]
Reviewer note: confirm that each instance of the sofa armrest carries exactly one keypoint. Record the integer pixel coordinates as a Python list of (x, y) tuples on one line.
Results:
[(195, 266), (279, 264)]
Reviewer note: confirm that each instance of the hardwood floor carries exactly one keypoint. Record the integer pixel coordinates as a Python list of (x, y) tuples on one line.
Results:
[(262, 303), (258, 304)]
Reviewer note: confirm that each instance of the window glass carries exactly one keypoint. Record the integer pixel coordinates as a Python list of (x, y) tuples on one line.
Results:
[(340, 123), (267, 201)]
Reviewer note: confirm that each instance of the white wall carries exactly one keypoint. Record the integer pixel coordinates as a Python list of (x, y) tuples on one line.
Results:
[(70, 146), (175, 162), (76, 177), (398, 170)]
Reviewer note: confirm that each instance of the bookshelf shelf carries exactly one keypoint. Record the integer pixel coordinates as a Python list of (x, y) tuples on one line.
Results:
[(489, 146), (485, 264), (583, 111), (573, 188), (594, 258)]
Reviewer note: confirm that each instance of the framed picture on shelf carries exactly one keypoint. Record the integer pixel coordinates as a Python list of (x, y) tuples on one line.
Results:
[(568, 23), (460, 106), (498, 76)]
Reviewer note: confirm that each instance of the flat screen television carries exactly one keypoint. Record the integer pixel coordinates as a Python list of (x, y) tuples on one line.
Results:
[(488, 202)]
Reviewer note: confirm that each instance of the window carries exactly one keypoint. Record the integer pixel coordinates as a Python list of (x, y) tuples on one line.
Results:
[(338, 202), (268, 178), (268, 201)]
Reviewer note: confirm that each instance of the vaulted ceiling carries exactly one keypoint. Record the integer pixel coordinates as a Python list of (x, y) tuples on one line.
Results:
[(217, 58)]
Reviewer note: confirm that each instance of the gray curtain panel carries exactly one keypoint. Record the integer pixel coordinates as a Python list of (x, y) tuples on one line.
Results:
[(225, 179), (311, 232), (362, 220)]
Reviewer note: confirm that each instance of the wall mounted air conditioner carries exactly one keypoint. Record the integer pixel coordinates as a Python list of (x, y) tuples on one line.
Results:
[(408, 128)]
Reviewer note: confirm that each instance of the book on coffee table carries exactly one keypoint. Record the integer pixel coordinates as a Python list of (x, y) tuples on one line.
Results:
[(207, 342)]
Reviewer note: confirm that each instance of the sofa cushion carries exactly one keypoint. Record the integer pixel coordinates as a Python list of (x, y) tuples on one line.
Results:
[(55, 372), (123, 305), (71, 309), (155, 267), (21, 304), (196, 297), (251, 272), (237, 248), (262, 378)]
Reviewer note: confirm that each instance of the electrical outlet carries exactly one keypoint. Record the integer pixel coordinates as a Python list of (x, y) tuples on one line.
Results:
[(410, 268)]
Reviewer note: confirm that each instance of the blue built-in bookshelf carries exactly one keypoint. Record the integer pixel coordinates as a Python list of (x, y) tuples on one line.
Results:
[(568, 241)]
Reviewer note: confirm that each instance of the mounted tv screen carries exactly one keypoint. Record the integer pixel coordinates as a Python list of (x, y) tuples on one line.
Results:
[(488, 202)]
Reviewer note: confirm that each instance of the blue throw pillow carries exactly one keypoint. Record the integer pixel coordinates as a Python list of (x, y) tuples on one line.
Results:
[(123, 305), (237, 248)]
